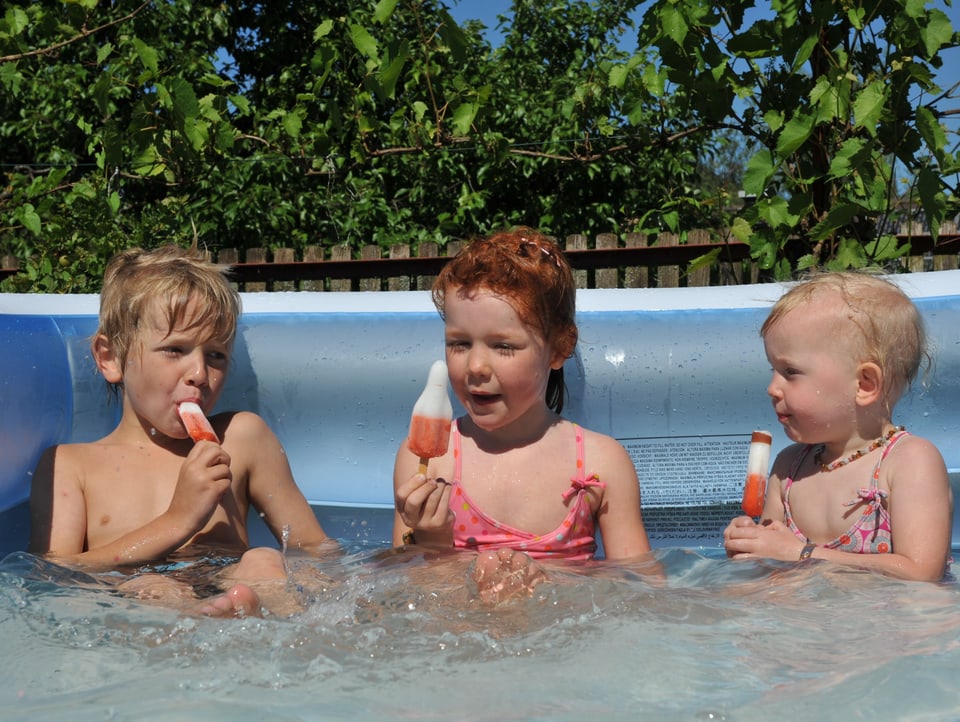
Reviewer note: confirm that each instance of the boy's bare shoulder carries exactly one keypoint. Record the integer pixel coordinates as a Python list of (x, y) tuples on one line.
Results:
[(239, 425)]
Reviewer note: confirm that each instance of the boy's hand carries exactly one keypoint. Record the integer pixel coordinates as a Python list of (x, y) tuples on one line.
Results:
[(204, 477)]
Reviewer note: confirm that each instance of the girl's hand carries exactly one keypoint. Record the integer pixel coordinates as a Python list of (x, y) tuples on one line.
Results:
[(204, 477), (744, 538), (424, 505)]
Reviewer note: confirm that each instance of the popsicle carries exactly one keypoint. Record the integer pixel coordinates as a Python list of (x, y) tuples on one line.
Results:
[(196, 422), (429, 433), (758, 464)]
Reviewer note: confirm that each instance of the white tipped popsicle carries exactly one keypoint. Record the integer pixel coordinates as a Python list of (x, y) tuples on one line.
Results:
[(429, 433), (758, 465), (196, 422)]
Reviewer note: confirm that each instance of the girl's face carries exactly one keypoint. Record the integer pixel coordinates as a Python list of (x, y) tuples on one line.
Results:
[(498, 365), (815, 382), (162, 370)]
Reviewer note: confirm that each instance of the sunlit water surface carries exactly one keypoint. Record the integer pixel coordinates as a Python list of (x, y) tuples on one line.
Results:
[(398, 636)]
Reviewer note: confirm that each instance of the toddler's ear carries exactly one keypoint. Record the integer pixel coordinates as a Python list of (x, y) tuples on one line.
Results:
[(106, 359), (869, 383)]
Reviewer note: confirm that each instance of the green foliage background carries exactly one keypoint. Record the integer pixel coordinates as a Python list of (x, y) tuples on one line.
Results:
[(292, 124)]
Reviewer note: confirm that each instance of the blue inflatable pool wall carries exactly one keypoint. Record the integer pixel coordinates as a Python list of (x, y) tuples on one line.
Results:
[(677, 375)]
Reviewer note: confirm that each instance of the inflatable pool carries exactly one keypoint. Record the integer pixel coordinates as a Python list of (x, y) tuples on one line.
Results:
[(677, 375)]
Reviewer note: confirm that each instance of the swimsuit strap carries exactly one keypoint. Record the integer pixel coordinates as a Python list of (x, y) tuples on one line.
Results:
[(874, 492), (455, 432), (580, 481), (796, 466), (577, 483)]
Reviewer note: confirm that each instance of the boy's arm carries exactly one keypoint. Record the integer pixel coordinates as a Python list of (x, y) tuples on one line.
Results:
[(60, 526), (271, 487)]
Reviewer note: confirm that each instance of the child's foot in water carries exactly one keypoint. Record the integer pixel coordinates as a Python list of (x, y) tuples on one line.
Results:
[(238, 601), (505, 574)]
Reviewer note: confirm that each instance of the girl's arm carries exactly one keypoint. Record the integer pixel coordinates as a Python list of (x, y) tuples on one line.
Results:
[(257, 452), (619, 515)]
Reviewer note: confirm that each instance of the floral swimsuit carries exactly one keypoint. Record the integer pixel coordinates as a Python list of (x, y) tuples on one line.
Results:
[(871, 532)]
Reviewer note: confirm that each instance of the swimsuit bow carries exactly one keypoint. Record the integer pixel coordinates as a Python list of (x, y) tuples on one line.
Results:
[(875, 495), (579, 485)]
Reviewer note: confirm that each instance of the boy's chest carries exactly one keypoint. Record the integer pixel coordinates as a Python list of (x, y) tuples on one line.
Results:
[(130, 493)]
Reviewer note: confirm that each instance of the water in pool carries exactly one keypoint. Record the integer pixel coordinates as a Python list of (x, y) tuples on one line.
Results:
[(396, 636)]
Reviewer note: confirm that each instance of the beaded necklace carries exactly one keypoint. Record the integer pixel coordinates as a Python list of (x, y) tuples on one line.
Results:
[(875, 444)]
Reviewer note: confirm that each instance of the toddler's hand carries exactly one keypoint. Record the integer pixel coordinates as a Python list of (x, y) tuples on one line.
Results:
[(770, 539)]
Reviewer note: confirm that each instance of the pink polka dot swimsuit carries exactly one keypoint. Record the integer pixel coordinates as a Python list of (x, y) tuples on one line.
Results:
[(573, 539)]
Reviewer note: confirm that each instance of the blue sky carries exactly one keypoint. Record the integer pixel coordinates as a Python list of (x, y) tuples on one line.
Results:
[(487, 10)]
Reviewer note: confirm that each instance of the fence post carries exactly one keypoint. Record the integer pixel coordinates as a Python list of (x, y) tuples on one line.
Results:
[(636, 276), (312, 254), (427, 249), (256, 255), (370, 284), (284, 255), (399, 283), (698, 276), (606, 277), (578, 242), (229, 257), (340, 252), (668, 276)]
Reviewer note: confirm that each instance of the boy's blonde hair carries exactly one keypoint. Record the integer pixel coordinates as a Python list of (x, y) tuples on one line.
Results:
[(135, 279), (888, 328)]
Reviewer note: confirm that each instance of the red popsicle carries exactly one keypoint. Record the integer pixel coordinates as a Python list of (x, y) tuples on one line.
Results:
[(429, 433), (758, 464), (196, 422)]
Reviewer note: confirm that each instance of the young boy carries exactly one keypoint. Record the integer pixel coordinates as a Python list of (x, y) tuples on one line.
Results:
[(167, 324)]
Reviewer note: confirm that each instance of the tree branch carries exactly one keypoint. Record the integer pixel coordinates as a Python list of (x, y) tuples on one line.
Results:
[(79, 36)]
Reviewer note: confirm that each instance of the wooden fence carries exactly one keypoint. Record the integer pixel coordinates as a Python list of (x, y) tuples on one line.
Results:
[(606, 262)]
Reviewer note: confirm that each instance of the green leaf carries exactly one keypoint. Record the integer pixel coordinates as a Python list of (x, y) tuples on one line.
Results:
[(938, 32), (869, 105), (760, 169), (794, 134), (463, 118), (383, 10), (364, 42), (849, 156), (322, 30), (30, 219), (930, 130), (292, 123), (741, 229), (147, 55), (103, 52), (674, 24), (838, 217)]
